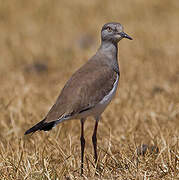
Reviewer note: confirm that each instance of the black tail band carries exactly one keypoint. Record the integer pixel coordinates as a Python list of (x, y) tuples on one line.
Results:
[(41, 126)]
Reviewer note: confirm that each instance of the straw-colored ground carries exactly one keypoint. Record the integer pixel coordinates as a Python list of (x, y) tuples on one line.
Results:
[(43, 42)]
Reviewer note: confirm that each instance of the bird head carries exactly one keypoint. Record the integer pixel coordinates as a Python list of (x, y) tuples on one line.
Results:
[(113, 32)]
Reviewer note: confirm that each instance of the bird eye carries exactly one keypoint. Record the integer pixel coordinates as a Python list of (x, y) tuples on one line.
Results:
[(109, 29)]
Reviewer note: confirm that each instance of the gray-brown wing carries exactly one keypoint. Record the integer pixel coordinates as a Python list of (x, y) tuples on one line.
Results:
[(84, 90)]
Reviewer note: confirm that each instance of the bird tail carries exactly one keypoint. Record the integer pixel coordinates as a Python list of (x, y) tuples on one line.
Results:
[(42, 125)]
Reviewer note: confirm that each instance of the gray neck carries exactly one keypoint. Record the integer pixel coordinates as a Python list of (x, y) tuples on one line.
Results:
[(110, 51)]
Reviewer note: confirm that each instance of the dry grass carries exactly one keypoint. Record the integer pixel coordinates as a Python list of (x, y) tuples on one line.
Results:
[(43, 42)]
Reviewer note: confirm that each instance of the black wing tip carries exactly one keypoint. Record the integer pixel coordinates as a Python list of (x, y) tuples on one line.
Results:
[(35, 128), (41, 126), (28, 131)]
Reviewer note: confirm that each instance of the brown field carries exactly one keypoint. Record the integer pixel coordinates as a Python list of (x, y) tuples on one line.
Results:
[(42, 43)]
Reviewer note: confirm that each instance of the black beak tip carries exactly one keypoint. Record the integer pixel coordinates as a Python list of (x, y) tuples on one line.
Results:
[(124, 35), (128, 37)]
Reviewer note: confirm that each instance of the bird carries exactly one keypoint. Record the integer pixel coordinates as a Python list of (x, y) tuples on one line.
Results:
[(90, 89)]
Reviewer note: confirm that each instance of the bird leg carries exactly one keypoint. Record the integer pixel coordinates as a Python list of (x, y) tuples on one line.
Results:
[(82, 144), (94, 139)]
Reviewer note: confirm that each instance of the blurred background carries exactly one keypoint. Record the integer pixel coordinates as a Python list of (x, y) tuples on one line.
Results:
[(43, 42)]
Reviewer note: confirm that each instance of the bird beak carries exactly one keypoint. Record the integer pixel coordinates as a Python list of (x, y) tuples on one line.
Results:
[(124, 35)]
